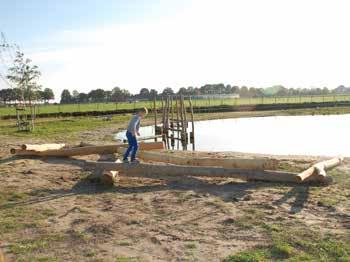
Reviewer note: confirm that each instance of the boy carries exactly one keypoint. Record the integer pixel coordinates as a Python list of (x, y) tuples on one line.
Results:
[(132, 131)]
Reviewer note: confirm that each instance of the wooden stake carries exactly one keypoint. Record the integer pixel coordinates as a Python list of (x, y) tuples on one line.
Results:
[(192, 121), (155, 117), (177, 121)]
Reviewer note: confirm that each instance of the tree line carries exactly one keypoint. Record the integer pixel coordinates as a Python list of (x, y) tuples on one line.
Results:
[(24, 76), (9, 95), (121, 95)]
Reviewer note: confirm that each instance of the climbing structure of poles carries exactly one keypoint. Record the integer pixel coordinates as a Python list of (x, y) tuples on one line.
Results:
[(175, 123)]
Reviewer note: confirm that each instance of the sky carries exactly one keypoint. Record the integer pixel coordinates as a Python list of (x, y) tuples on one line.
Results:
[(133, 44)]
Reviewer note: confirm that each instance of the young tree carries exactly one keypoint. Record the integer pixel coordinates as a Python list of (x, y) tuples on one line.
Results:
[(25, 75)]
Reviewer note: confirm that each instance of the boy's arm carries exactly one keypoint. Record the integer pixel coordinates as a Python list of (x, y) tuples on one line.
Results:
[(137, 127)]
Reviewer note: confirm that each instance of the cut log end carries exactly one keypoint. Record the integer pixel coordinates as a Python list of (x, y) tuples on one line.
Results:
[(110, 177)]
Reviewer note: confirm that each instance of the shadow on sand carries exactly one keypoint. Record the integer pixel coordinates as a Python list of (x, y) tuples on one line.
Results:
[(227, 190)]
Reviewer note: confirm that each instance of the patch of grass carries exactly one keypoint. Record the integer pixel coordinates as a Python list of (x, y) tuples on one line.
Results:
[(89, 253), (31, 245), (294, 241), (249, 256), (121, 258), (191, 245), (54, 128), (123, 243), (13, 218)]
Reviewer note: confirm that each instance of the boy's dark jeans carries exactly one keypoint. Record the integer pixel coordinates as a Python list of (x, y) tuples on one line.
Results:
[(132, 146)]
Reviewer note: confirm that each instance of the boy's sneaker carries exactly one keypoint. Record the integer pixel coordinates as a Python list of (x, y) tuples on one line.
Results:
[(135, 161), (125, 161)]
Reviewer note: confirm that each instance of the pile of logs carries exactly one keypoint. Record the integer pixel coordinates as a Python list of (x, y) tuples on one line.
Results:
[(164, 164)]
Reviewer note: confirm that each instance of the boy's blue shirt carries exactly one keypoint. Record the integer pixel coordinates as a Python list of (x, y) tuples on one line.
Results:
[(134, 125)]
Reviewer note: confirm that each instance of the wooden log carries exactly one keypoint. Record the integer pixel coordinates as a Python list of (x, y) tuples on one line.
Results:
[(244, 163), (192, 133), (155, 117), (160, 171), (319, 169), (42, 147), (110, 177), (89, 150)]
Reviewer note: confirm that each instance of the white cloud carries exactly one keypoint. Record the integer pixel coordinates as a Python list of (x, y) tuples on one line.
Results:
[(245, 42)]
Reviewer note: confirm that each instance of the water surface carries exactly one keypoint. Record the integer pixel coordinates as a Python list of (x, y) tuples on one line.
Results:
[(286, 135)]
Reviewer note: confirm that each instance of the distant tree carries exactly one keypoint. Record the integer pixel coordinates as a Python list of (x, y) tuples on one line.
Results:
[(153, 93), (47, 95), (66, 97), (182, 91), (168, 91), (9, 94), (83, 98), (97, 95), (25, 75), (325, 91), (117, 94), (144, 93), (108, 96), (235, 90), (125, 94), (244, 92), (282, 91), (75, 96), (191, 91)]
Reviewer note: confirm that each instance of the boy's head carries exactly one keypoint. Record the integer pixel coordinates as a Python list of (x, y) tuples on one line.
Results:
[(142, 112)]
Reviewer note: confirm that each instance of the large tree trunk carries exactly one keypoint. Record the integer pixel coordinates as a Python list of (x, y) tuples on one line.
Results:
[(246, 163), (161, 171), (88, 150)]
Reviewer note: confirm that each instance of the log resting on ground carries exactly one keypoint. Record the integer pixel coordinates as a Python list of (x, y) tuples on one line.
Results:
[(319, 169), (246, 163), (161, 171), (88, 150), (42, 147)]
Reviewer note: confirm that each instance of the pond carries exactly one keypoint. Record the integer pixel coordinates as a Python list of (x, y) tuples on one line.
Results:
[(284, 135)]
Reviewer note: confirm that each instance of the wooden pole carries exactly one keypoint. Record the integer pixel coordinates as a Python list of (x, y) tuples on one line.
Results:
[(163, 120), (155, 117), (192, 121), (182, 123), (177, 121), (160, 171), (185, 120), (172, 123)]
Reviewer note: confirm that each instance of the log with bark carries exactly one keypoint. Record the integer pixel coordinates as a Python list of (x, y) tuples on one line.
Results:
[(42, 147), (319, 169), (160, 171), (88, 150), (246, 163)]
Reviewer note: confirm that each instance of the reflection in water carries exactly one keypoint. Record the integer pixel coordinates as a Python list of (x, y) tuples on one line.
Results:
[(285, 135)]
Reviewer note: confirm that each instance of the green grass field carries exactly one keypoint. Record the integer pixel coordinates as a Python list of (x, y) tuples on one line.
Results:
[(68, 108)]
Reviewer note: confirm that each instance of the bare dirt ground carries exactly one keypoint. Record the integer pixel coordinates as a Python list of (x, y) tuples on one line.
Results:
[(51, 210)]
